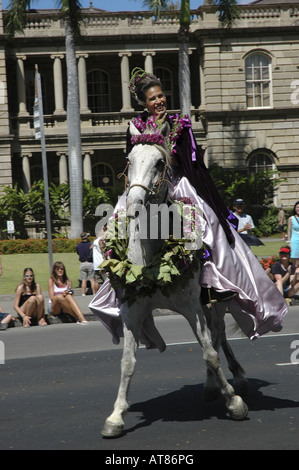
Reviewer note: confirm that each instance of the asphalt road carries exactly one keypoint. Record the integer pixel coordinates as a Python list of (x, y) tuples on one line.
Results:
[(59, 383)]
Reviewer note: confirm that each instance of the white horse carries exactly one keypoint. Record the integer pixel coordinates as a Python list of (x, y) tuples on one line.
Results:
[(146, 163)]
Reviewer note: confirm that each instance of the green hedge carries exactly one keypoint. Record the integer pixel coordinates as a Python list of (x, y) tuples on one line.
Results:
[(60, 245)]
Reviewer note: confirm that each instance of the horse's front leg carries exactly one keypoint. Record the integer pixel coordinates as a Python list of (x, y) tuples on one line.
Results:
[(115, 422)]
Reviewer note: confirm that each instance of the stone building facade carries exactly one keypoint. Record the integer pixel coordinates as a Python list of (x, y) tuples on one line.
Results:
[(244, 89)]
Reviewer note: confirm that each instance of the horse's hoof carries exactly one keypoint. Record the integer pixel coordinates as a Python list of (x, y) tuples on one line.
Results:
[(112, 430), (211, 394), (238, 410)]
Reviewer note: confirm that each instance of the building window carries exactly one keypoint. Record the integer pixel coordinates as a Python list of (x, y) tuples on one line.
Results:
[(36, 172), (167, 81), (98, 91), (258, 81), (30, 92), (102, 176), (260, 161)]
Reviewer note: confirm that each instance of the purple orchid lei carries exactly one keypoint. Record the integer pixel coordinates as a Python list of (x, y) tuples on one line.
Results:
[(178, 122)]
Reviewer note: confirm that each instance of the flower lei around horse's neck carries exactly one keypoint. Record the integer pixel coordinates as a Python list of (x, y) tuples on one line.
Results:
[(150, 131), (173, 266)]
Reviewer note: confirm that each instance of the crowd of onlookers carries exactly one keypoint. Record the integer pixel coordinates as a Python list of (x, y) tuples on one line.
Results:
[(285, 273), (29, 302)]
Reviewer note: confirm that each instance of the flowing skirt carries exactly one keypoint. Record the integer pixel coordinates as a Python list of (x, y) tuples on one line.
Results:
[(258, 307)]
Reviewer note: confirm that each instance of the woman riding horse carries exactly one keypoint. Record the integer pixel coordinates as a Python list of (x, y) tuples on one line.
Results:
[(230, 266)]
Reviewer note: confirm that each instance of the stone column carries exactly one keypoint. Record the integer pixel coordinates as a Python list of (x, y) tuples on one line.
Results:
[(125, 80), (148, 61), (58, 84), (87, 169), (21, 86), (202, 82), (82, 76), (26, 172), (63, 170)]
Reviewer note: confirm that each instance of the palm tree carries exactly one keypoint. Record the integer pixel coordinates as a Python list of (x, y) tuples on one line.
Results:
[(228, 12), (72, 14)]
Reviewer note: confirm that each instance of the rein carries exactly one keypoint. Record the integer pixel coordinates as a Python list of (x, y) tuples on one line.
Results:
[(156, 186)]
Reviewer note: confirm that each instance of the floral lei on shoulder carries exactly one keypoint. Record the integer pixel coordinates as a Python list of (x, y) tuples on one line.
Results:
[(151, 130), (173, 266)]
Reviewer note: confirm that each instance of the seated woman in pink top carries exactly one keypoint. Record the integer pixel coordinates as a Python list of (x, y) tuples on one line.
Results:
[(60, 294)]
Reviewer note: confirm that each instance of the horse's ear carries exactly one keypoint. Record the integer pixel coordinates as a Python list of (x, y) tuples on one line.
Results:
[(165, 129), (133, 129)]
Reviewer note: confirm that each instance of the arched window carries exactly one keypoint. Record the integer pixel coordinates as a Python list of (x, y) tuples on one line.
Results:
[(258, 74), (98, 91), (167, 81), (102, 176), (260, 160)]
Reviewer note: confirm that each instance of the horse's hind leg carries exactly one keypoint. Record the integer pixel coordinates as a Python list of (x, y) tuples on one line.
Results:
[(211, 389), (215, 318), (241, 384), (115, 423), (234, 403)]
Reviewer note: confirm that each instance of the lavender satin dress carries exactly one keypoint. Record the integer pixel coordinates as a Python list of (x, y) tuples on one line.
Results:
[(258, 307)]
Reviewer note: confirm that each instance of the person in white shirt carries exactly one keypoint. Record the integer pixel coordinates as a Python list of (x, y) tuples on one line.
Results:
[(246, 224), (99, 275)]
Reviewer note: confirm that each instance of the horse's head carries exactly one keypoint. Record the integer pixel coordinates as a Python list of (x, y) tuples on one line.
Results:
[(148, 162)]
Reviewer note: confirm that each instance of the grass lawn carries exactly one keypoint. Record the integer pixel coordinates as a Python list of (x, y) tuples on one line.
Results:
[(13, 266), (270, 249)]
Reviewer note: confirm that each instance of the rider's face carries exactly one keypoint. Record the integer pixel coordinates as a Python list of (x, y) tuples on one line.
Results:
[(155, 101)]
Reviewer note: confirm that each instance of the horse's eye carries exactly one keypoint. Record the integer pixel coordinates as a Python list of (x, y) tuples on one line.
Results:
[(160, 164)]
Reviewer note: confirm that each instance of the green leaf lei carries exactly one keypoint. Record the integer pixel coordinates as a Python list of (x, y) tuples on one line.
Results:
[(173, 266)]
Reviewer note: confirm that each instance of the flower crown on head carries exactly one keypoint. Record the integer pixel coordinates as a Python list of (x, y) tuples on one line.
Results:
[(138, 74)]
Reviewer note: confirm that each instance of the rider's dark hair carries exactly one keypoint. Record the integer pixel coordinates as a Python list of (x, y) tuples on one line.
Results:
[(144, 84)]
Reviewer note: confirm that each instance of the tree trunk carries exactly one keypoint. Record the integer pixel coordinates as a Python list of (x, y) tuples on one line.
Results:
[(74, 136)]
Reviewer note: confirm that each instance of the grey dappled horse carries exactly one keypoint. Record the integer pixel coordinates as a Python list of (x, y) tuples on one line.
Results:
[(145, 176)]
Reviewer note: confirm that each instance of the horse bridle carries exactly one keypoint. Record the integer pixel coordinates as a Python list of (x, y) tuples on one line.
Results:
[(156, 186)]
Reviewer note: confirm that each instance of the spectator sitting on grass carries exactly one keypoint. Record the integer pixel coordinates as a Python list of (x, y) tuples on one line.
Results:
[(5, 319), (285, 276), (61, 298), (29, 301)]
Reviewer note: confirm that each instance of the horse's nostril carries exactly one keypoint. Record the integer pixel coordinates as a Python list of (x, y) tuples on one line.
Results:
[(131, 211), (135, 209)]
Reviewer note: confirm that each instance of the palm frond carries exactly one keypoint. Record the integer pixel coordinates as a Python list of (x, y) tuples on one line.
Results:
[(228, 11), (155, 5), (72, 10), (16, 16)]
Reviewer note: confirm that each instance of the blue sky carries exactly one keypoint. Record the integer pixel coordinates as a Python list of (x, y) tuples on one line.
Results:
[(111, 5)]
